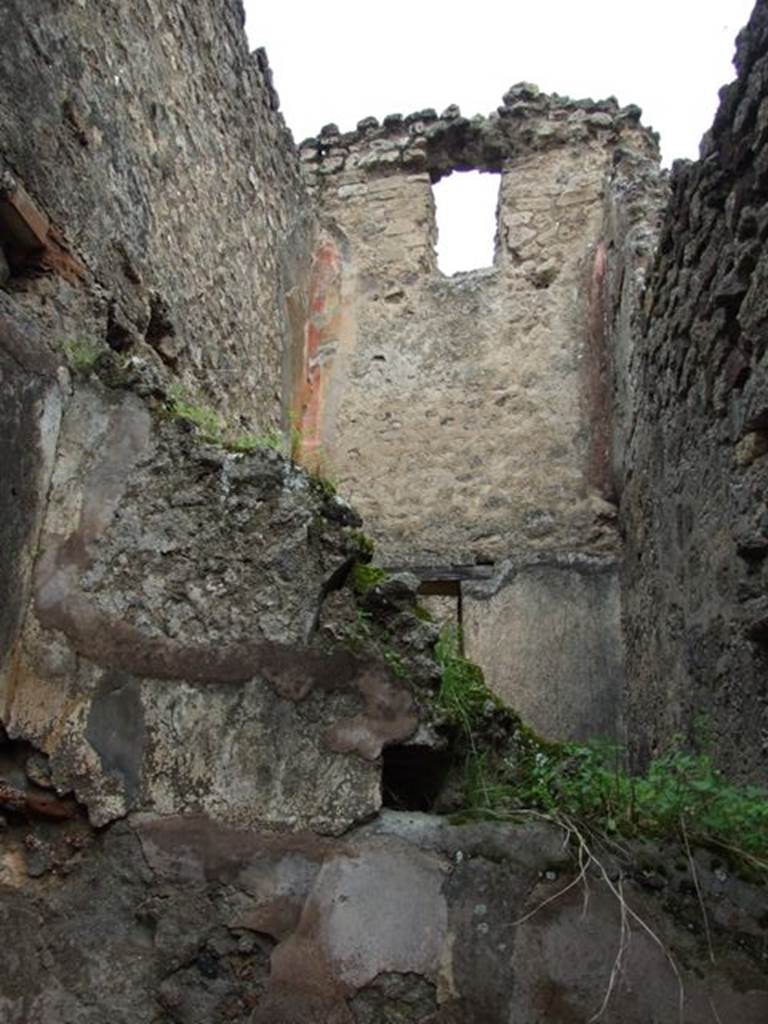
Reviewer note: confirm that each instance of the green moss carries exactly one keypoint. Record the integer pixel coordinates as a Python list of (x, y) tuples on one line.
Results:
[(463, 695), (364, 577), (422, 613), (203, 417), (359, 635), (82, 354), (364, 544), (395, 662), (272, 438), (213, 428)]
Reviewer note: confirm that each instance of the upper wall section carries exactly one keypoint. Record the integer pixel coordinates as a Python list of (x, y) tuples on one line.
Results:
[(528, 120), (467, 416), (694, 505), (149, 138)]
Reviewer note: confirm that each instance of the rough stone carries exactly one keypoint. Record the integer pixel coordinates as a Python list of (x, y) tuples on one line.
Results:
[(406, 919), (30, 411), (121, 121), (168, 663), (423, 374), (694, 474), (181, 642)]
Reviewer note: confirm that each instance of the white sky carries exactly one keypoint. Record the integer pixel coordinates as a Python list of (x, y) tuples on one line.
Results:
[(342, 60)]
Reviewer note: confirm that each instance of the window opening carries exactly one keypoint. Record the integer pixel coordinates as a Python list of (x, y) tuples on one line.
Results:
[(465, 213)]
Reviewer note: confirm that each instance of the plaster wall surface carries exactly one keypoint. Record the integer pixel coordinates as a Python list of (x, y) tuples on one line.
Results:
[(164, 660), (408, 918), (547, 632), (471, 417)]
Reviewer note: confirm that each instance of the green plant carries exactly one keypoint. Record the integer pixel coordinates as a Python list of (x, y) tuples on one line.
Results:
[(213, 427), (423, 613), (463, 695), (296, 437), (395, 662), (206, 419), (82, 354), (363, 636), (271, 438), (313, 459), (586, 786), (364, 544), (681, 795), (326, 486), (360, 632), (687, 791), (366, 576)]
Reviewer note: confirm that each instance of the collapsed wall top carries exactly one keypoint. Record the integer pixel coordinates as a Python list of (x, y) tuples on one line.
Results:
[(527, 120)]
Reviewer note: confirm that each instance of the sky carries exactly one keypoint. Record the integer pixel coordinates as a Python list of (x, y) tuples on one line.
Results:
[(342, 60)]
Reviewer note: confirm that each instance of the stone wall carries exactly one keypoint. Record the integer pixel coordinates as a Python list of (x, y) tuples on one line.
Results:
[(464, 415), (471, 417), (206, 718), (694, 502), (150, 197), (177, 920), (164, 662), (30, 413)]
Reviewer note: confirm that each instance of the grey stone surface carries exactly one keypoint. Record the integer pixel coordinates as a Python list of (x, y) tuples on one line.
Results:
[(410, 919), (547, 632), (149, 136), (30, 411), (693, 507), (116, 729), (175, 658)]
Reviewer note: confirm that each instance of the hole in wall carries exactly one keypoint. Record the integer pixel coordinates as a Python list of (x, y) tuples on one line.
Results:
[(17, 260), (442, 600), (413, 776), (23, 231), (440, 587), (465, 213)]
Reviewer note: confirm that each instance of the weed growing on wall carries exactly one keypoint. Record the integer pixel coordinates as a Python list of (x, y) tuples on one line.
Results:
[(324, 483), (463, 695), (366, 576), (362, 637), (681, 795), (82, 354), (271, 438), (213, 428), (207, 420)]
